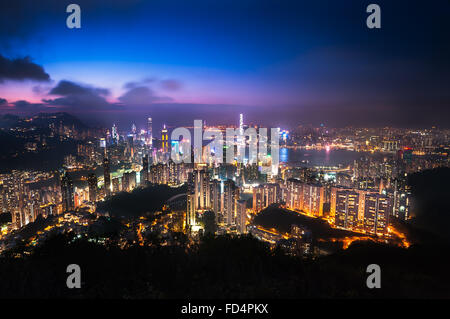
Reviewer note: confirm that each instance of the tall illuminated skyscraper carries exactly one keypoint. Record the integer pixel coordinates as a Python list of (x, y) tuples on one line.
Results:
[(165, 139), (114, 134), (241, 124), (150, 132), (190, 210)]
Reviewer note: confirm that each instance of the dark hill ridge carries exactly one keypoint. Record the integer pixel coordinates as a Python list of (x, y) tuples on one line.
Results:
[(282, 219), (42, 120), (8, 120), (222, 267)]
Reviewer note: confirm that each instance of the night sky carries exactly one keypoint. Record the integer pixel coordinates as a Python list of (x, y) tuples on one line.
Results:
[(281, 63)]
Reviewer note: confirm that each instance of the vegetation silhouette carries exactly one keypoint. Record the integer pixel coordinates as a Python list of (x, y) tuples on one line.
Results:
[(141, 201)]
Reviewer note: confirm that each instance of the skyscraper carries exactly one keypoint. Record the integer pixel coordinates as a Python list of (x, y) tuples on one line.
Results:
[(294, 194), (165, 139), (149, 133), (376, 213), (215, 191), (241, 216), (92, 183), (128, 181), (114, 134), (345, 207), (230, 198), (265, 195), (241, 124), (67, 192), (313, 199), (107, 176), (190, 209), (202, 190), (144, 172)]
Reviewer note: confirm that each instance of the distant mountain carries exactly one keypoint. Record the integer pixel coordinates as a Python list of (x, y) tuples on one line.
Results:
[(8, 120), (42, 120), (63, 118)]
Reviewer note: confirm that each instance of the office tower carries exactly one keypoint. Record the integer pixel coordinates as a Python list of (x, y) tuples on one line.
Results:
[(133, 129), (241, 216), (165, 140), (107, 176), (67, 192), (92, 183), (241, 124), (114, 134), (149, 133)]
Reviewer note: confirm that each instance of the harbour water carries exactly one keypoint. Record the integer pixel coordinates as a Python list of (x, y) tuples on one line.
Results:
[(309, 158)]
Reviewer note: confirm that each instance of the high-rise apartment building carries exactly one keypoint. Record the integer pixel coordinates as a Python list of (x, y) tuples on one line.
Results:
[(67, 192)]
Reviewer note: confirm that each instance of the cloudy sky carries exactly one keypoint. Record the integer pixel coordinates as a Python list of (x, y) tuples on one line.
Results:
[(278, 62)]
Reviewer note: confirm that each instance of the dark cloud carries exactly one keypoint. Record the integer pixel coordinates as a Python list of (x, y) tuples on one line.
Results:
[(3, 102), (68, 88), (21, 69), (78, 95), (141, 95), (22, 104), (171, 85)]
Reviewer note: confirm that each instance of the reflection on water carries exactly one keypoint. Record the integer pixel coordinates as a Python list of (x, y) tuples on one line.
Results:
[(318, 157)]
